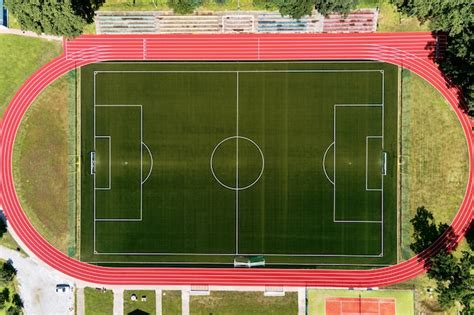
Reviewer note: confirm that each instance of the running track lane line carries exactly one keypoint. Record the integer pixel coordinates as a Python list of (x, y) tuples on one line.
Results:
[(410, 50)]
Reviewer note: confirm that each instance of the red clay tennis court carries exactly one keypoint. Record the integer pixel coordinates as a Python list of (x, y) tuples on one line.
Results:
[(360, 306)]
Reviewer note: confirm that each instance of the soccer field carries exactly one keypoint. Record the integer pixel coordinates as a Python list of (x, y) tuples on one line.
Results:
[(197, 163)]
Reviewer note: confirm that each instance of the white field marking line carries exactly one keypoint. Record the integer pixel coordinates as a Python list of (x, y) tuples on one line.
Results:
[(383, 149), (241, 71), (264, 71), (94, 179), (141, 173), (141, 168), (233, 254), (367, 163), (226, 263), (237, 167), (324, 162), (162, 263), (334, 169), (141, 179), (151, 159), (211, 162), (109, 185)]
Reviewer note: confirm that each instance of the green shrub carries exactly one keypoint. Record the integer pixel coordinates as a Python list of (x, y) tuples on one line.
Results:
[(184, 6)]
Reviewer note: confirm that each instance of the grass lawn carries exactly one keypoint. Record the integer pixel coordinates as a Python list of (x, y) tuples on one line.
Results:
[(130, 5), (435, 160), (230, 303), (171, 302), (149, 306), (392, 21), (40, 161), (98, 302), (8, 241), (21, 56), (317, 298)]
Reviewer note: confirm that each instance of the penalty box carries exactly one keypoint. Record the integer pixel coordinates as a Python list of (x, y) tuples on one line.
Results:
[(349, 152)]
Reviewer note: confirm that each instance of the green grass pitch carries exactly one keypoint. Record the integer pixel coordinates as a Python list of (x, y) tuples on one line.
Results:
[(196, 163)]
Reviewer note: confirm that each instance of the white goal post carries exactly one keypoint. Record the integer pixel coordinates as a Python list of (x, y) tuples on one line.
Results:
[(249, 261), (92, 159), (384, 163)]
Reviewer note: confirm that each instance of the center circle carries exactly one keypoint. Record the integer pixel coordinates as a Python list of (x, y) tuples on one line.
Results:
[(237, 163)]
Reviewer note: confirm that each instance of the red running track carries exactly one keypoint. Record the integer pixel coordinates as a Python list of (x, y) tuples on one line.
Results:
[(410, 50)]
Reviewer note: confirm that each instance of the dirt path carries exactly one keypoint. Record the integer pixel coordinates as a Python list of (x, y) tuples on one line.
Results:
[(4, 30)]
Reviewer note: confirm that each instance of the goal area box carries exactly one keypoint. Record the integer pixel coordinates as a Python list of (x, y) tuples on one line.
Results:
[(199, 163)]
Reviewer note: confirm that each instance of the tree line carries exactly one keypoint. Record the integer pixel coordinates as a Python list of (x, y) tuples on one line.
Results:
[(453, 274)]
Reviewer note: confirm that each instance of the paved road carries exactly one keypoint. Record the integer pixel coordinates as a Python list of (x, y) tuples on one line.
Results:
[(38, 286)]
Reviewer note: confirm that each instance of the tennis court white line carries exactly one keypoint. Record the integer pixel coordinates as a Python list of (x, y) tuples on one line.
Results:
[(109, 186)]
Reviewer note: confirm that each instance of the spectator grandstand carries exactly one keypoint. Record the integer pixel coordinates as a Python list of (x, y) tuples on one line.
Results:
[(362, 21)]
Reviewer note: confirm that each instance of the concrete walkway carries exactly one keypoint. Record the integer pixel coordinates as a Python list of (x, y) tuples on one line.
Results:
[(159, 295), (301, 301), (185, 302), (80, 302), (12, 31), (118, 301)]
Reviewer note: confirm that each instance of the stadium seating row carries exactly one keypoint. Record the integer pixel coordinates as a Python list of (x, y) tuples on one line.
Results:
[(150, 22)]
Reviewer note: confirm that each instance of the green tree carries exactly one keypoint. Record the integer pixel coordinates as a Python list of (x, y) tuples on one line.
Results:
[(8, 272), (454, 281), (300, 8), (13, 310), (443, 266), (4, 297), (55, 17), (295, 8), (425, 230), (338, 6), (184, 6), (3, 226), (470, 235), (456, 19), (17, 301)]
